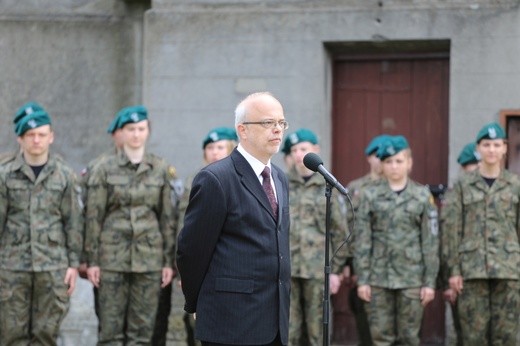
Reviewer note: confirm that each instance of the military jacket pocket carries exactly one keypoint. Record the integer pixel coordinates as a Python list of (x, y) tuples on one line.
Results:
[(118, 187), (55, 193), (470, 260), (55, 238), (19, 193), (413, 254), (512, 262), (509, 204), (118, 180), (473, 197), (414, 211), (152, 191)]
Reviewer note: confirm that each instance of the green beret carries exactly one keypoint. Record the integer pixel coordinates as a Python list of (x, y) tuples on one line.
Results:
[(113, 126), (28, 108), (491, 131), (220, 134), (374, 144), (133, 114), (391, 146), (468, 155), (32, 121), (298, 136)]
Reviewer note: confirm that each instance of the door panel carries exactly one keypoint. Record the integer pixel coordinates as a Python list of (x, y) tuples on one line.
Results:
[(407, 96)]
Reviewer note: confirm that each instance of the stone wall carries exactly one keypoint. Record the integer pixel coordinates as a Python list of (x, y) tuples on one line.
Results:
[(202, 57)]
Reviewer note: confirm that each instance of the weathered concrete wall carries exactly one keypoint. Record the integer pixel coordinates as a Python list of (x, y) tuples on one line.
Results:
[(80, 59), (202, 57)]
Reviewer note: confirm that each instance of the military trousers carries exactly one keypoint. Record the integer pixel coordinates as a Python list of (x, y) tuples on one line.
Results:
[(32, 306), (306, 313), (489, 312), (128, 307), (394, 316)]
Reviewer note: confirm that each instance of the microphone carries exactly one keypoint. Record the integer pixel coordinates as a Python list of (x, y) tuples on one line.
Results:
[(315, 164)]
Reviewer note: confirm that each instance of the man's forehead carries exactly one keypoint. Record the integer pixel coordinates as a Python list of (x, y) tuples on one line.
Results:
[(40, 130), (266, 107)]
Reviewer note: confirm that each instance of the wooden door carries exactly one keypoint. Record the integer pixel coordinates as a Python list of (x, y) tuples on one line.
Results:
[(405, 95)]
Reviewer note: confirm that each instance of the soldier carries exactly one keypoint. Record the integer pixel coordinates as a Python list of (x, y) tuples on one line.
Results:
[(41, 237), (218, 144), (117, 140), (396, 251), (483, 256), (307, 241), (355, 187), (130, 234), (468, 160), (374, 174)]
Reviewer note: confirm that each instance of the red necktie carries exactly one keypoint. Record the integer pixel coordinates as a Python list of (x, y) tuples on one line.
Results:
[(268, 188)]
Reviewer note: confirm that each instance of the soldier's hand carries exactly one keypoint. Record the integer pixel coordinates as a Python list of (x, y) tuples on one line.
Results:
[(70, 279), (94, 274), (364, 292), (167, 276), (427, 295), (334, 283), (345, 274), (457, 283), (450, 295)]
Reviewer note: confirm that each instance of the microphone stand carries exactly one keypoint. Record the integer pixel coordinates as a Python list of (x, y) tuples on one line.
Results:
[(326, 269)]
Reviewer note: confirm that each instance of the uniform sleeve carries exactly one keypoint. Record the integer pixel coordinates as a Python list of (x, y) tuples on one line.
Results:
[(3, 201), (95, 216), (339, 235), (363, 240), (183, 204), (444, 217), (167, 222), (452, 223), (430, 242), (73, 221)]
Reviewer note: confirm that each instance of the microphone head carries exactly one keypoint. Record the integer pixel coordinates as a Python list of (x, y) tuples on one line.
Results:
[(312, 161)]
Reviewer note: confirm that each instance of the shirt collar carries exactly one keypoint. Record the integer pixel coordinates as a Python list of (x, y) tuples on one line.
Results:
[(256, 164)]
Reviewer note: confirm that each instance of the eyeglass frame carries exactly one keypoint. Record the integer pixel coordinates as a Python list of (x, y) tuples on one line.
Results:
[(269, 124)]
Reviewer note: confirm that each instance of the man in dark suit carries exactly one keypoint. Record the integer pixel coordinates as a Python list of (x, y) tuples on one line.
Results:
[(233, 251)]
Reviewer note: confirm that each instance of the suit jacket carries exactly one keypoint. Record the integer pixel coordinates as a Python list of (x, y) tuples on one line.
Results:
[(233, 256)]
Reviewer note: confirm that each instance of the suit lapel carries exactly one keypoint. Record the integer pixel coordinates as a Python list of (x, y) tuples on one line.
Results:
[(250, 180)]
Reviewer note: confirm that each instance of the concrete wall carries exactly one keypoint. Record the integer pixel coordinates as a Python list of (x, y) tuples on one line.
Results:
[(202, 57), (80, 59)]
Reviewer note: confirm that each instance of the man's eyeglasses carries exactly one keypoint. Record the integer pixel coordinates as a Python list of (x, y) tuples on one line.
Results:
[(269, 124)]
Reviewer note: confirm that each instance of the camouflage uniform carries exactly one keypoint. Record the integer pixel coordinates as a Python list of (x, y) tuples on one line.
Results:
[(446, 214), (307, 241), (396, 253), (42, 236), (181, 325), (358, 307), (83, 180), (130, 236), (165, 298), (7, 157), (483, 230)]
